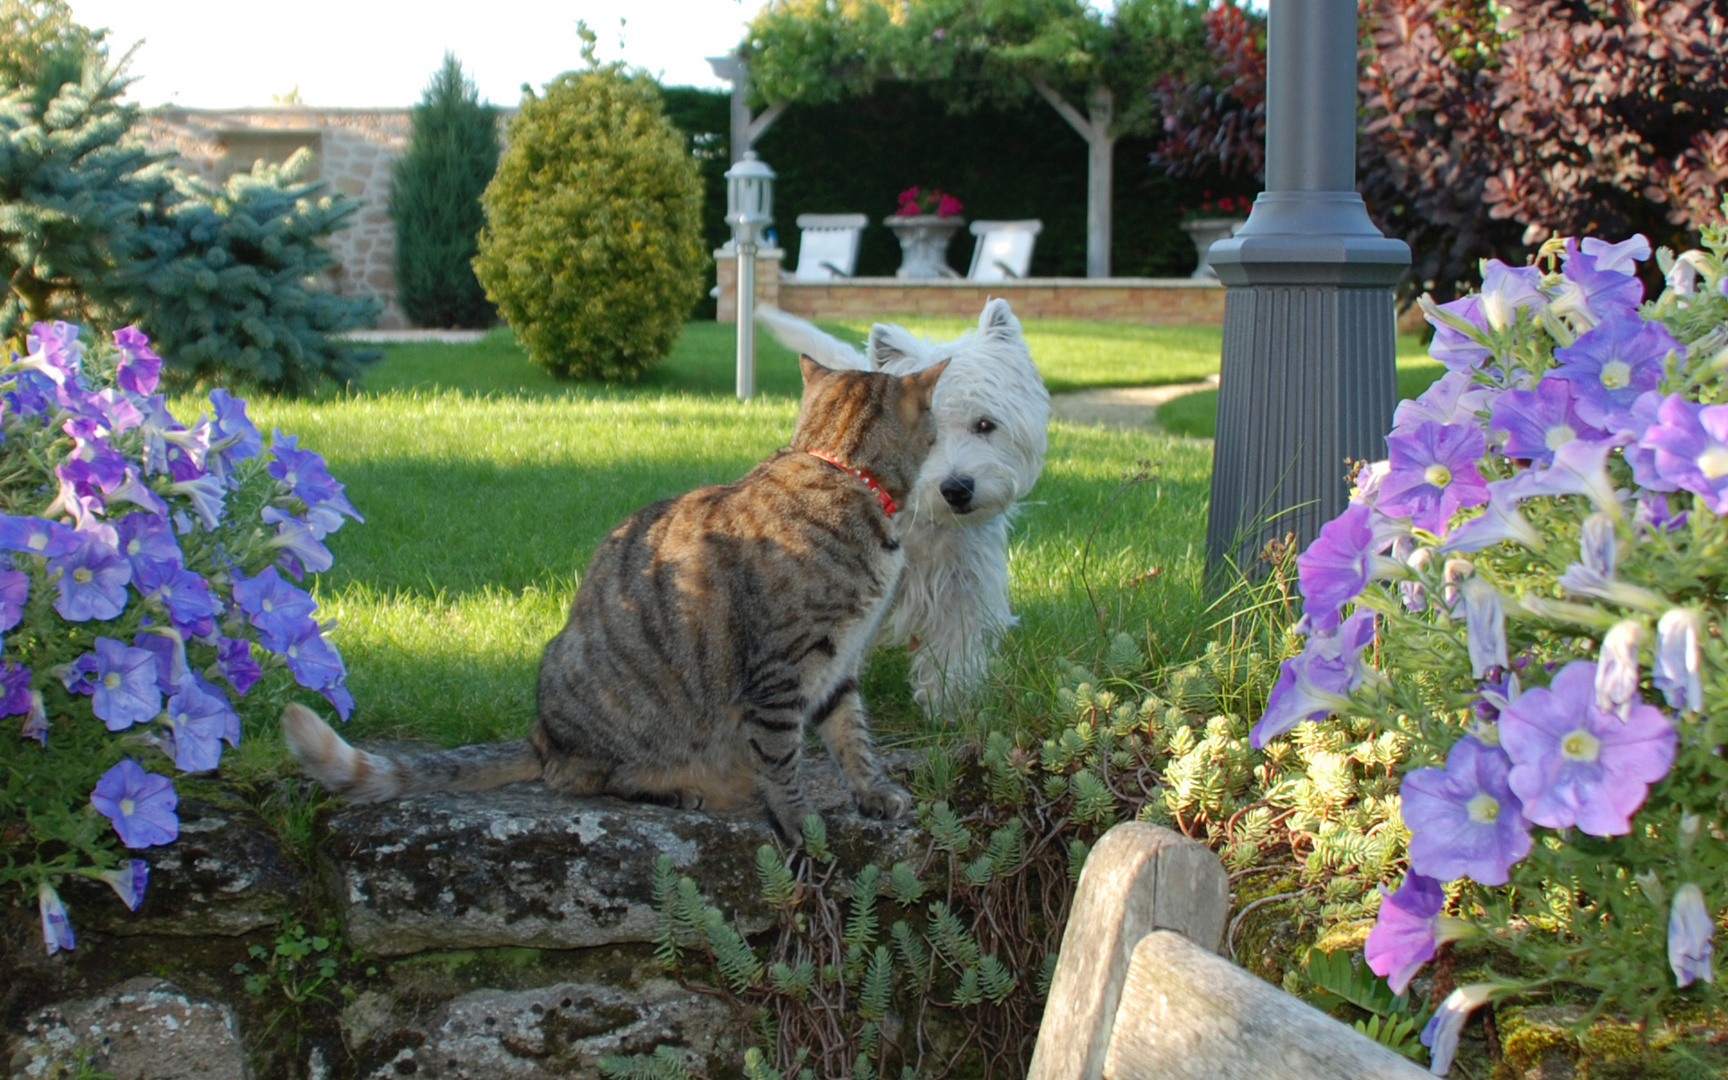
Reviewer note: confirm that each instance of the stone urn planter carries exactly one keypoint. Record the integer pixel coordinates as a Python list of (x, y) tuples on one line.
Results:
[(924, 244), (1205, 232)]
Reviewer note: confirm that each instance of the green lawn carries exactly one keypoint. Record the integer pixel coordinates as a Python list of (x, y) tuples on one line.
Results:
[(486, 486), (1193, 415)]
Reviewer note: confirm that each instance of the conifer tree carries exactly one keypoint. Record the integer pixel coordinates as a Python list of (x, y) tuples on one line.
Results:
[(435, 201), (73, 188)]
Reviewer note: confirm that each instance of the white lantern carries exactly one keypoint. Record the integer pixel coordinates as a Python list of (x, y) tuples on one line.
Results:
[(749, 210), (749, 198)]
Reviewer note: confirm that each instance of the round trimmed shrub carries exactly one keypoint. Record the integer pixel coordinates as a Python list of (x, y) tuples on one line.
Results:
[(592, 249)]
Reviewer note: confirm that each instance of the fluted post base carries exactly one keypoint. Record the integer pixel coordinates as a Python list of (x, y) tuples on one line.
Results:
[(1308, 381)]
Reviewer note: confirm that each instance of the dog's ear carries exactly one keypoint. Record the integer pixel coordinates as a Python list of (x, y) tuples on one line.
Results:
[(885, 349), (997, 320)]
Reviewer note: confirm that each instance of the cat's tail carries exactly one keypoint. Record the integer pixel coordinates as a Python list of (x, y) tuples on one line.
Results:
[(804, 337), (363, 776)]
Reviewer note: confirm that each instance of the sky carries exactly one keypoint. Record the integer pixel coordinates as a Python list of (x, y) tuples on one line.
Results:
[(382, 53)]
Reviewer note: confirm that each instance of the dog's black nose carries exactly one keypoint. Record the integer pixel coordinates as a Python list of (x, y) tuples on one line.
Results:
[(958, 491)]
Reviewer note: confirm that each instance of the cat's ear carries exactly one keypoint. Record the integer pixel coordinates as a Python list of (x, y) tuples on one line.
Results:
[(923, 383), (811, 369)]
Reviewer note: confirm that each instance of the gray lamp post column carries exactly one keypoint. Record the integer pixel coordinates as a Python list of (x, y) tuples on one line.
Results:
[(1308, 376), (749, 209)]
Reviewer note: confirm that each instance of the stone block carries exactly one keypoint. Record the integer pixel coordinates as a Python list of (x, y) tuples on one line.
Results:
[(525, 867), (142, 1029)]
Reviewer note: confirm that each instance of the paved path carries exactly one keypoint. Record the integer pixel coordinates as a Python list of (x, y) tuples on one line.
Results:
[(1133, 407)]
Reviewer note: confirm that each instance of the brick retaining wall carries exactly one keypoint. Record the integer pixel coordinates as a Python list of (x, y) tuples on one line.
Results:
[(1148, 301)]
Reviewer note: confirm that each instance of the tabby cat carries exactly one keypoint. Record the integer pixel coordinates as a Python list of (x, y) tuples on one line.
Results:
[(709, 630)]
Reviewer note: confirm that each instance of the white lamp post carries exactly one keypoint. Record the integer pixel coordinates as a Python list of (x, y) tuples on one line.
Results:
[(749, 209)]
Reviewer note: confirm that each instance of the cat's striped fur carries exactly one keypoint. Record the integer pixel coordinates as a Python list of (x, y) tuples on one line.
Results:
[(708, 631)]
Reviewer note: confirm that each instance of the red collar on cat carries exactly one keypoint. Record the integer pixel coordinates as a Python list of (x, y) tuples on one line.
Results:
[(887, 501)]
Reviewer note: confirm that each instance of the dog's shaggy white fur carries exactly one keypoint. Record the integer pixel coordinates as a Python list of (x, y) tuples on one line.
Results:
[(991, 411)]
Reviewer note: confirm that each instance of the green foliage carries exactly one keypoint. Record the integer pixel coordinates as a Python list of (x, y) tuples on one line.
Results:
[(1393, 1020), (665, 1063), (225, 281), (42, 48), (73, 184), (592, 249), (451, 155)]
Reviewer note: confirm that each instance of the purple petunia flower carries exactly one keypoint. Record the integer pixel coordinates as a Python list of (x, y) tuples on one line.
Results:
[(206, 494), (1444, 1027), (182, 593), (91, 578), (1465, 821), (1653, 515), (169, 651), (1337, 566), (54, 350), (1690, 928), (56, 928), (1540, 421), (121, 683), (128, 881), (1484, 623), (1579, 468), (1593, 574), (199, 717), (140, 804), (234, 436), (1318, 681), (1452, 346), (272, 605), (1611, 365), (1499, 521), (1454, 398), (299, 539), (1675, 672), (1617, 671), (14, 688), (1433, 473), (148, 538), (340, 699), (1509, 290), (14, 592), (302, 470), (1595, 291), (234, 660), (1690, 443), (35, 536), (1623, 257), (134, 490), (139, 367), (1407, 932), (313, 660), (1573, 764)]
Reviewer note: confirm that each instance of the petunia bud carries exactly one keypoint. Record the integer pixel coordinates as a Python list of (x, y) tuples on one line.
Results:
[(56, 929), (1617, 668), (1485, 625), (1441, 1034), (1690, 928), (1675, 672)]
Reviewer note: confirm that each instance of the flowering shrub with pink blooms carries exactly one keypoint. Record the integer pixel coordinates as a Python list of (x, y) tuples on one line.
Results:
[(916, 200), (144, 611), (1528, 593)]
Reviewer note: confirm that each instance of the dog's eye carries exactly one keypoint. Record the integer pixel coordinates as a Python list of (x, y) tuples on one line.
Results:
[(984, 426)]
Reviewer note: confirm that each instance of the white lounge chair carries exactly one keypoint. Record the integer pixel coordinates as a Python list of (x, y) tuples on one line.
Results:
[(828, 246), (1004, 249)]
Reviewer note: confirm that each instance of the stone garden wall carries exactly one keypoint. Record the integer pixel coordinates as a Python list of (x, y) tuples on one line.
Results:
[(503, 935), (354, 150)]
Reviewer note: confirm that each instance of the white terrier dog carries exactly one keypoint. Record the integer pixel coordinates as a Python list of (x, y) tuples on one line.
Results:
[(991, 410)]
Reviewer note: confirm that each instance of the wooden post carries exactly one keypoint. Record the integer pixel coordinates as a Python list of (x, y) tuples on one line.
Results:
[(1189, 1014), (1138, 878)]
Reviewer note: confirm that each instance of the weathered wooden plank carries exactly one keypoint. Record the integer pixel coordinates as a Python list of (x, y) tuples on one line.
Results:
[(1138, 878), (1188, 1013)]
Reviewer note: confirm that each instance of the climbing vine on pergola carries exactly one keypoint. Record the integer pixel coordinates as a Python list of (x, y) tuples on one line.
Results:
[(990, 52)]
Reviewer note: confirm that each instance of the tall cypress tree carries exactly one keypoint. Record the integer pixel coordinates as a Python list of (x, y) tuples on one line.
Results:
[(435, 201)]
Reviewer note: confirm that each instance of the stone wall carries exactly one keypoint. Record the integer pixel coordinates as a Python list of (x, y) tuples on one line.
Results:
[(1147, 301), (500, 935), (354, 150)]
